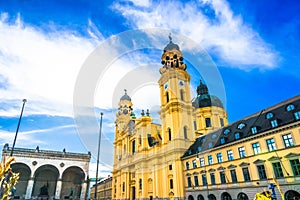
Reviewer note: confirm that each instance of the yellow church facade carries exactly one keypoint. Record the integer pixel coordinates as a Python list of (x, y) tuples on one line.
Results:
[(148, 156)]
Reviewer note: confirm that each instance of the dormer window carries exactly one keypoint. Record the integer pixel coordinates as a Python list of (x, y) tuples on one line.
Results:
[(269, 115), (222, 140), (290, 107), (274, 123), (226, 131), (297, 115), (237, 135), (254, 129), (199, 149), (241, 126)]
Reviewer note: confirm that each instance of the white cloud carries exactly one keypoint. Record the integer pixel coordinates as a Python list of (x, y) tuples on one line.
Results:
[(212, 24), (39, 66)]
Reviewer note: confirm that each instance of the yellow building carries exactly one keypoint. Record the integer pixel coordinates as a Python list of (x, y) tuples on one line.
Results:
[(147, 156), (104, 189), (247, 156)]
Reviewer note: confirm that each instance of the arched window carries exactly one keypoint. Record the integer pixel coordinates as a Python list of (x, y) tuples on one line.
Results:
[(290, 107), (269, 115), (140, 184), (190, 197), (182, 95), (225, 196), (242, 196), (241, 126), (200, 197), (226, 131), (171, 183), (212, 197), (170, 134), (167, 97), (208, 122), (185, 132)]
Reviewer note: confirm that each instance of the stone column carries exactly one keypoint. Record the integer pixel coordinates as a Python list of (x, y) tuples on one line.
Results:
[(29, 188), (83, 190), (58, 188)]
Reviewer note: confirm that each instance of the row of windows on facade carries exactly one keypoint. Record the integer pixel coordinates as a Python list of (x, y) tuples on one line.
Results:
[(277, 168), (287, 140), (140, 186)]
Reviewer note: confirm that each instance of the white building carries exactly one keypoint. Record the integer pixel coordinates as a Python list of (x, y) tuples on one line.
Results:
[(46, 174)]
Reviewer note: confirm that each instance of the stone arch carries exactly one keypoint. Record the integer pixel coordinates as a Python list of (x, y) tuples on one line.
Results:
[(212, 197), (200, 197), (72, 180), (24, 175), (45, 179), (242, 196), (225, 196), (190, 197), (292, 195)]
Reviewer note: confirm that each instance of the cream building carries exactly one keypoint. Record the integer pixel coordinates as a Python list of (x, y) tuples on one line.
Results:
[(147, 156), (247, 157)]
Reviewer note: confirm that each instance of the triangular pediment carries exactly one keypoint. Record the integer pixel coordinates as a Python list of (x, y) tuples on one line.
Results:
[(274, 158), (291, 155), (244, 164), (231, 166), (259, 161), (211, 170), (221, 168)]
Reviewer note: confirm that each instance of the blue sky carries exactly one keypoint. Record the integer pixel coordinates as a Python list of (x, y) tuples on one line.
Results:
[(45, 45)]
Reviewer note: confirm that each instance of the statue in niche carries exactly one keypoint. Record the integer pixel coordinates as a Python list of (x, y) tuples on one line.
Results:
[(44, 190)]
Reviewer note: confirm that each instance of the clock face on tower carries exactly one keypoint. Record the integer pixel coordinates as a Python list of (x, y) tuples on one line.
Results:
[(166, 85), (181, 83)]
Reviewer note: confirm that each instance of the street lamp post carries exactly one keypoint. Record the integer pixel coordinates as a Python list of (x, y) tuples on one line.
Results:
[(99, 142), (13, 146)]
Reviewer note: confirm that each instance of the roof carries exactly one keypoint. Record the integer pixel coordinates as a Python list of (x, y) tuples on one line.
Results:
[(283, 113)]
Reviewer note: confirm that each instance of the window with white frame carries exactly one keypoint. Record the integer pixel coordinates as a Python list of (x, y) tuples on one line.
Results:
[(271, 144), (288, 140)]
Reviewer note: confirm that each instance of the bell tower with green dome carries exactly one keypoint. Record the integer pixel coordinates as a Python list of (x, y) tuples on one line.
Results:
[(209, 111)]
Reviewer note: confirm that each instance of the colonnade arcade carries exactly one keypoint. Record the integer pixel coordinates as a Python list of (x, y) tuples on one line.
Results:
[(47, 181), (46, 174)]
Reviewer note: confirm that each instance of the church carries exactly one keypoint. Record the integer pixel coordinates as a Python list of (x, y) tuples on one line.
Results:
[(147, 156), (195, 154)]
